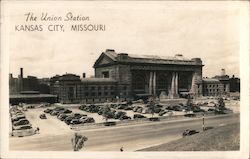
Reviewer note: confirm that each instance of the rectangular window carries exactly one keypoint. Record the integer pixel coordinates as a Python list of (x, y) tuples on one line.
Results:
[(99, 93), (99, 87), (92, 88), (105, 87), (111, 88), (105, 93), (86, 88), (93, 94), (86, 94), (105, 74)]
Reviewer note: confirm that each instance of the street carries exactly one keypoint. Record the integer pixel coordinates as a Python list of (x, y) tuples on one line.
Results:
[(130, 137)]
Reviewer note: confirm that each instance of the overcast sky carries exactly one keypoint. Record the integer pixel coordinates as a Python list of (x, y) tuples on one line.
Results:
[(206, 30)]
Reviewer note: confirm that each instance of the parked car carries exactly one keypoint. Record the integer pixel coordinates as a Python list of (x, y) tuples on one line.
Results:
[(82, 107), (136, 116), (62, 116), (177, 108), (24, 127), (119, 114), (88, 120), (211, 109), (83, 117), (67, 111), (21, 122), (17, 114), (125, 117), (190, 115), (154, 119), (128, 108), (18, 127), (16, 118), (139, 110), (68, 119), (43, 116), (135, 108), (162, 112), (47, 110), (189, 132), (121, 106), (31, 106), (75, 121)]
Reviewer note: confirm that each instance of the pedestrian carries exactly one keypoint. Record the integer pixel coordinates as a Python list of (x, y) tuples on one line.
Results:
[(37, 130), (121, 149)]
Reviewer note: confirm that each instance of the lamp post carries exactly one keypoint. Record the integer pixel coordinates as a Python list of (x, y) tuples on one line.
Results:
[(203, 121)]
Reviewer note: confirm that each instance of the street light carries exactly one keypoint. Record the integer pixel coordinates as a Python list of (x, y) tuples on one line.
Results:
[(203, 121)]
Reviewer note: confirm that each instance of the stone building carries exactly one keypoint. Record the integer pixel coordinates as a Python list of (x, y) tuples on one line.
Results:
[(71, 88), (29, 83), (212, 87), (125, 76), (144, 75), (234, 84)]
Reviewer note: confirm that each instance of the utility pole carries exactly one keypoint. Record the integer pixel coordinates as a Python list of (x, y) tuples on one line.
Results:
[(203, 122)]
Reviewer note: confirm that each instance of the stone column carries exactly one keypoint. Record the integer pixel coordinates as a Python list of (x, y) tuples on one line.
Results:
[(150, 82), (227, 88), (154, 83), (193, 83), (176, 85), (172, 91)]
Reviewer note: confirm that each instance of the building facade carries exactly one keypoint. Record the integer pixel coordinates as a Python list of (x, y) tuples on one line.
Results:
[(29, 83), (126, 77), (212, 87), (139, 75), (71, 88)]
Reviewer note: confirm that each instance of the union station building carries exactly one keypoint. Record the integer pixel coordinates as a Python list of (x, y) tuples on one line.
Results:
[(127, 76)]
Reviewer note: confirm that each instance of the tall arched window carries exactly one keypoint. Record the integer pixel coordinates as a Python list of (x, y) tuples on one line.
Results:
[(162, 82), (139, 82)]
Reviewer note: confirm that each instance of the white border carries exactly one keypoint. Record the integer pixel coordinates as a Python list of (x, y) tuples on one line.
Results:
[(244, 75)]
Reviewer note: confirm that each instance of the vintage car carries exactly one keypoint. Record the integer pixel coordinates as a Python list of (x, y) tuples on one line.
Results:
[(43, 116), (189, 132)]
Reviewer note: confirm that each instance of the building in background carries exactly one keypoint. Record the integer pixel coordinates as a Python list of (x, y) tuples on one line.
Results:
[(224, 79), (212, 87), (29, 89), (234, 84), (122, 76), (30, 83), (71, 88), (220, 85)]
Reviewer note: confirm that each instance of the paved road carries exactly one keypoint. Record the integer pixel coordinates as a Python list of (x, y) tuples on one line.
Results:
[(131, 137)]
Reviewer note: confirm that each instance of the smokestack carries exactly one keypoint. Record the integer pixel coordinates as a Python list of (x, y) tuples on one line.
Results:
[(83, 75), (223, 72), (10, 76), (21, 72)]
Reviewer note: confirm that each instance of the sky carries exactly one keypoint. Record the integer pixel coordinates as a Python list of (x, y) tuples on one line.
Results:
[(208, 30)]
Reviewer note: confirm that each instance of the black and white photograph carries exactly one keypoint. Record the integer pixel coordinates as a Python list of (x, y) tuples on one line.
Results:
[(125, 79)]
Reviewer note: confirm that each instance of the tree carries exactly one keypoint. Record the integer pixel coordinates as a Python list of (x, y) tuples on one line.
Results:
[(221, 104), (106, 112), (78, 141), (152, 105)]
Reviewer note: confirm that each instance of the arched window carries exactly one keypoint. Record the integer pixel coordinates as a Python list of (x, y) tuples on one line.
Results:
[(139, 82), (162, 82)]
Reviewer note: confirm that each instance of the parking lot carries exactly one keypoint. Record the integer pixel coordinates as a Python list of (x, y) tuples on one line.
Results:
[(53, 125)]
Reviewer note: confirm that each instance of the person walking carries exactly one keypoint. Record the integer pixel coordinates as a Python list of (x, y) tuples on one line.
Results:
[(37, 130), (121, 149)]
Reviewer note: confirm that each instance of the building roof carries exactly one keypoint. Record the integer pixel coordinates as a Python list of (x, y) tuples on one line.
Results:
[(210, 80), (31, 95), (97, 80), (150, 59)]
